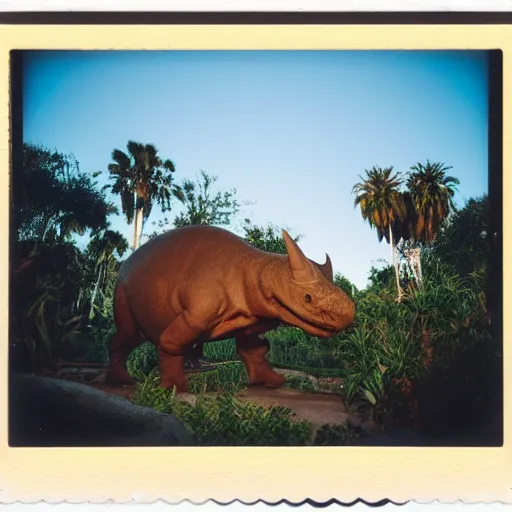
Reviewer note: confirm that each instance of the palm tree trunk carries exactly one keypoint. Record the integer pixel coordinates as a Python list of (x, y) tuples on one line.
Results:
[(138, 227), (95, 292), (135, 230), (395, 262), (46, 228)]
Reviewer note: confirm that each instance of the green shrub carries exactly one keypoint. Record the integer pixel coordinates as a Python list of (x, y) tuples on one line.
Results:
[(300, 383), (224, 420), (291, 347), (425, 360), (142, 360), (145, 357), (220, 351), (97, 347), (227, 377), (92, 342)]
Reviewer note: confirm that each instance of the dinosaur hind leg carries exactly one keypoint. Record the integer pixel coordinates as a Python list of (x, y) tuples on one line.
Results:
[(125, 339), (252, 350)]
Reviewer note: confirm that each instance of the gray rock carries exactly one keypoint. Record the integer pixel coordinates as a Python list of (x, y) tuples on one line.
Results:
[(45, 411)]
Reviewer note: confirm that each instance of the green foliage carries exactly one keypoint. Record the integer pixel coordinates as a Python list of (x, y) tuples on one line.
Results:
[(224, 420), (219, 351), (46, 317), (398, 352), (52, 330), (54, 199), (382, 278), (141, 178), (267, 238), (53, 278), (431, 194), (379, 199), (427, 360), (227, 377), (203, 209), (345, 284), (101, 253), (300, 383), (143, 360), (293, 347), (412, 216), (96, 344), (463, 241)]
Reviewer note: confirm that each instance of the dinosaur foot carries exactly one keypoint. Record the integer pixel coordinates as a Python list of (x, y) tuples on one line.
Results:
[(171, 373), (167, 382), (265, 376)]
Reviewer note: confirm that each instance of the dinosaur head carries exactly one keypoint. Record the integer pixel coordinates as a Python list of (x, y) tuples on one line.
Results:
[(305, 296)]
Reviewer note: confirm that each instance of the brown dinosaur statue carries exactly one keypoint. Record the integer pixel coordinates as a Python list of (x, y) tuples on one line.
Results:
[(198, 284)]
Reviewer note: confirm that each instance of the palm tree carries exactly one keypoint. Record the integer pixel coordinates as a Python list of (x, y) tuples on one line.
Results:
[(140, 178), (382, 205), (430, 194)]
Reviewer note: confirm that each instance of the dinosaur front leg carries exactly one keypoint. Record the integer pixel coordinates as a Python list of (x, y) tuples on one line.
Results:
[(253, 350), (174, 343)]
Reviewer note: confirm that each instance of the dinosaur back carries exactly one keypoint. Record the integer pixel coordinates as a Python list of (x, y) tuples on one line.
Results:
[(168, 271)]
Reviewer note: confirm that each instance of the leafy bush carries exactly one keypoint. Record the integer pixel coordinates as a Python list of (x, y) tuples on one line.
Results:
[(220, 351), (227, 377), (224, 420), (423, 361), (292, 347), (142, 360), (345, 284), (300, 383)]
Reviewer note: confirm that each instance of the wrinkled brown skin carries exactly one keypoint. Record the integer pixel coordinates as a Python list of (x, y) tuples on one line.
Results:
[(198, 284)]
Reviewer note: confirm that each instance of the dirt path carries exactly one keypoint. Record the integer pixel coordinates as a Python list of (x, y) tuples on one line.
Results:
[(317, 408)]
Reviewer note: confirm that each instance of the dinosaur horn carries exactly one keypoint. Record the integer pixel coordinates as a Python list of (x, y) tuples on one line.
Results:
[(301, 268), (327, 268)]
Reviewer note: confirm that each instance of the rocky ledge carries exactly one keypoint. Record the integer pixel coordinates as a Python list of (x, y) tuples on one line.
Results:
[(45, 411)]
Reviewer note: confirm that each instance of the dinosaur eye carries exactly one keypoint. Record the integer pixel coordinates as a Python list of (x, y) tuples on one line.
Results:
[(307, 298)]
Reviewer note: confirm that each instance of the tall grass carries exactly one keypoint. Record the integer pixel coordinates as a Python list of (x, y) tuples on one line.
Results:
[(224, 420), (293, 348), (227, 377), (220, 351), (423, 361)]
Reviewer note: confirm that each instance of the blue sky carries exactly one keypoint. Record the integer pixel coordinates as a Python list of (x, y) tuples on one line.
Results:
[(290, 130)]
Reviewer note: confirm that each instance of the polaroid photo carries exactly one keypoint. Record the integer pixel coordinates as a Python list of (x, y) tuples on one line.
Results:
[(255, 257)]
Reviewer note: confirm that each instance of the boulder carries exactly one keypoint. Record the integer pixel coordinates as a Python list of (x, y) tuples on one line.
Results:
[(45, 411)]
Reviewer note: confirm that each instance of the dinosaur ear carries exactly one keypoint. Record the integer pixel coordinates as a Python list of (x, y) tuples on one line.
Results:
[(301, 268), (326, 268)]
